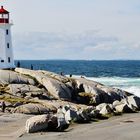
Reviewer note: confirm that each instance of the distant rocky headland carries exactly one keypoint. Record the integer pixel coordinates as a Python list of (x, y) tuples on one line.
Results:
[(41, 93)]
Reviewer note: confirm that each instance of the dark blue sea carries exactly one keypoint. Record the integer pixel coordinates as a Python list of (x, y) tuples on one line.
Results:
[(121, 74)]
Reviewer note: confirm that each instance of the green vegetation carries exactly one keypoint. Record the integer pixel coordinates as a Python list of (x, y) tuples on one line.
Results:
[(14, 100)]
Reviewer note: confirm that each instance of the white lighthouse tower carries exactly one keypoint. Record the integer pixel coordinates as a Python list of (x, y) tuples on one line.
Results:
[(6, 51)]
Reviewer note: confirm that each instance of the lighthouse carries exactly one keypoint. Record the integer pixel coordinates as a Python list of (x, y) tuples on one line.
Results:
[(6, 51)]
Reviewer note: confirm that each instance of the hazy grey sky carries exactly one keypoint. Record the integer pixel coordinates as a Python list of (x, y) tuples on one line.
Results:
[(75, 29)]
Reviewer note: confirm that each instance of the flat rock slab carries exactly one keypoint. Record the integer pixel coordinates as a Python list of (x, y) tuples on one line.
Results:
[(112, 129), (9, 77), (12, 125)]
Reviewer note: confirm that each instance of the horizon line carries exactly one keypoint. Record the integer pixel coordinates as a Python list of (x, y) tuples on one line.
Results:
[(77, 59)]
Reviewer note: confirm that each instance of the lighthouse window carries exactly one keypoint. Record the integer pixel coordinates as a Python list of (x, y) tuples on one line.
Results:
[(2, 61), (9, 59), (8, 45), (7, 31)]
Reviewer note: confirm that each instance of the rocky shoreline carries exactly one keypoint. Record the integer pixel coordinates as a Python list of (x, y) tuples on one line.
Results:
[(41, 93)]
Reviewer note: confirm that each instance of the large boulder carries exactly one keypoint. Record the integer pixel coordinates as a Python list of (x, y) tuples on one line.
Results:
[(86, 86), (58, 77), (31, 109), (56, 88), (104, 109), (83, 115), (71, 115), (11, 77), (101, 93), (54, 104), (123, 108), (43, 123), (23, 90), (37, 123), (134, 101), (52, 123), (114, 93)]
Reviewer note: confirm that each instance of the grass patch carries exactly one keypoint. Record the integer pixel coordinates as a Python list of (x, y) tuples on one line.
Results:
[(118, 113), (14, 100)]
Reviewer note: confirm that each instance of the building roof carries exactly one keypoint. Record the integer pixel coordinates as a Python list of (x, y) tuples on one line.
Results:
[(3, 11)]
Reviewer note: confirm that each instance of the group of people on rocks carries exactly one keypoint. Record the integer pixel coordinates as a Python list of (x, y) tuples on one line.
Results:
[(62, 121), (19, 65), (65, 114)]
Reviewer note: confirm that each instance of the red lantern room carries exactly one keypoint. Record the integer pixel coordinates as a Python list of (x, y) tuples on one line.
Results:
[(4, 15)]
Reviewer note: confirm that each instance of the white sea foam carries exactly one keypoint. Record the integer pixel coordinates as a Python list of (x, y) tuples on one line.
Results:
[(131, 85), (132, 89), (116, 80)]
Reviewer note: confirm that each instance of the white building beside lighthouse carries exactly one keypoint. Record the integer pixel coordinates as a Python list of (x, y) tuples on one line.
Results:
[(6, 51)]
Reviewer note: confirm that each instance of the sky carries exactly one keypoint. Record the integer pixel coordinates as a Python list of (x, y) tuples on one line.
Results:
[(75, 29)]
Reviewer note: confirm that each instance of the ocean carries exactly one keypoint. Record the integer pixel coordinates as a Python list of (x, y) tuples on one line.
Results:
[(121, 74)]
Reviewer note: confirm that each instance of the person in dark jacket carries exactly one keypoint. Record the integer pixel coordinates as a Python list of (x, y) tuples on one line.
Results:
[(3, 106), (18, 64)]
